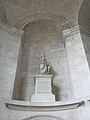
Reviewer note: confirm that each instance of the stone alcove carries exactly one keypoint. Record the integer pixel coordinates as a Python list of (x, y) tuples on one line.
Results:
[(43, 36)]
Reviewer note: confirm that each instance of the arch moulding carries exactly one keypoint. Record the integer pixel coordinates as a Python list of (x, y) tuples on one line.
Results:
[(56, 18)]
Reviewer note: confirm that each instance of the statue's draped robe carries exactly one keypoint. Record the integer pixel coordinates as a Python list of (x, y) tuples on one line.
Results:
[(43, 66)]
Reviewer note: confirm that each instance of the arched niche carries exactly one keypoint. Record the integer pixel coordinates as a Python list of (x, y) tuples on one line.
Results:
[(43, 35), (43, 117)]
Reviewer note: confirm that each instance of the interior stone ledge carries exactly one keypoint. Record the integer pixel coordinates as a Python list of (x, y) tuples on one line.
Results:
[(49, 106), (75, 30)]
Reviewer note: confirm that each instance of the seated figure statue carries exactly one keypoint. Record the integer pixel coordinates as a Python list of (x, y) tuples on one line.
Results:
[(44, 67)]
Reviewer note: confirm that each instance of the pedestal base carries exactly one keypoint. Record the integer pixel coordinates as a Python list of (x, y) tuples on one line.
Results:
[(43, 98), (43, 89)]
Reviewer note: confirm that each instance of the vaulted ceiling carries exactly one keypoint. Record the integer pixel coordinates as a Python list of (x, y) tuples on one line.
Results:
[(18, 9)]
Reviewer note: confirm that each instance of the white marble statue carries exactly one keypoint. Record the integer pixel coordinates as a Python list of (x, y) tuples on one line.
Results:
[(44, 67)]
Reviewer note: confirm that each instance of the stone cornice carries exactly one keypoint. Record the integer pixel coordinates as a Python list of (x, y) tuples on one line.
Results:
[(84, 30), (75, 30), (11, 30), (43, 76), (43, 106), (71, 31)]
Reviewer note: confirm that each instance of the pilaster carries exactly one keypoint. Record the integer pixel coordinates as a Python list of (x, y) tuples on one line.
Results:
[(77, 62)]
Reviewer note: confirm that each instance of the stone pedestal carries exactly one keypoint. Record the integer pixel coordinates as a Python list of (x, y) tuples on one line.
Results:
[(43, 89)]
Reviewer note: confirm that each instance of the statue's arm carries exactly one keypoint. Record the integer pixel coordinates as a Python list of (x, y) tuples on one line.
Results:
[(38, 57)]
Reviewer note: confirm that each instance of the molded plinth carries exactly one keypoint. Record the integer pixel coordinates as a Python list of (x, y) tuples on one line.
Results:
[(43, 89)]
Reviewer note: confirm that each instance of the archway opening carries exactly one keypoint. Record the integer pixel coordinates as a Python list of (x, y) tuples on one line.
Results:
[(44, 37)]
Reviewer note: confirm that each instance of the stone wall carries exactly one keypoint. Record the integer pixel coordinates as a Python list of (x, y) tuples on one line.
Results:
[(71, 66), (9, 49), (77, 61), (10, 45), (86, 43)]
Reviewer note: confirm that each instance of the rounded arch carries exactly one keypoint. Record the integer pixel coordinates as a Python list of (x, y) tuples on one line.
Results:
[(43, 117), (56, 18)]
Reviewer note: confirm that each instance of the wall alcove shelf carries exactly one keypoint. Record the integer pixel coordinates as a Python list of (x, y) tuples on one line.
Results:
[(43, 106)]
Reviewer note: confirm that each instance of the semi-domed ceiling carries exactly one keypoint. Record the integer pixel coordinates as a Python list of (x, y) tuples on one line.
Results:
[(18, 9)]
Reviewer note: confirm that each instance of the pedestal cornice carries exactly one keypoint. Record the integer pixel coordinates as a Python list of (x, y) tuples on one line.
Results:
[(43, 76)]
